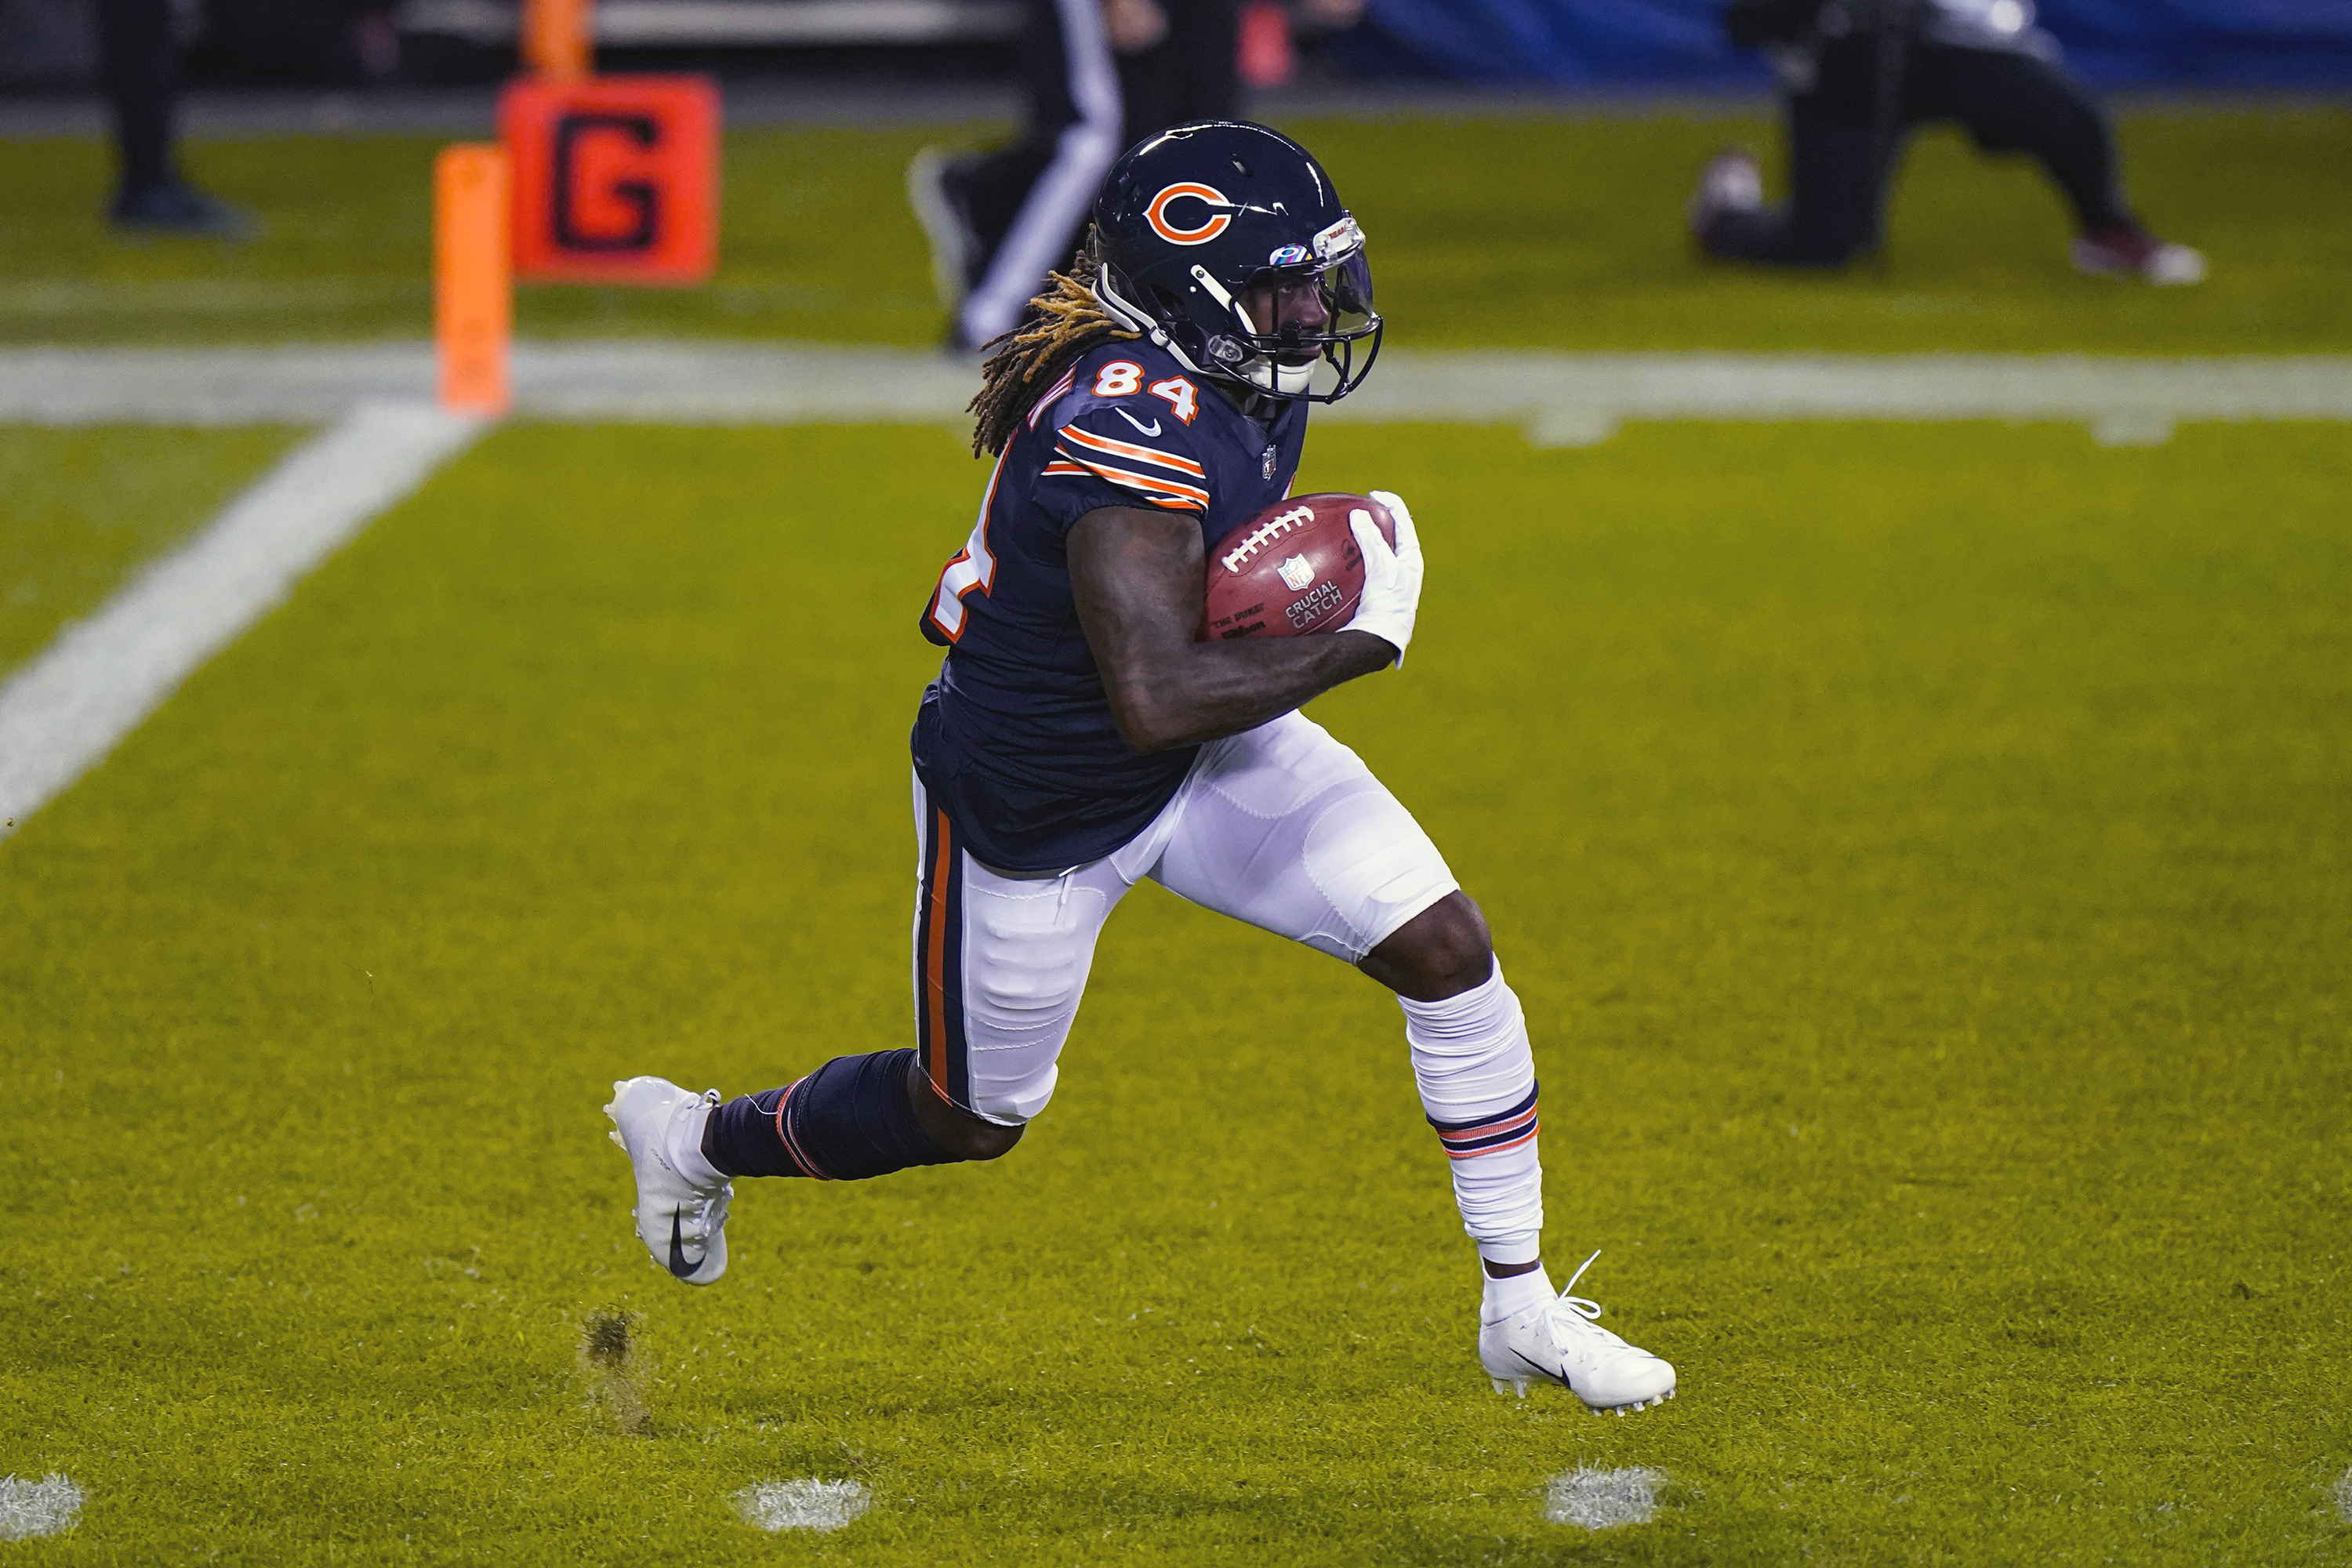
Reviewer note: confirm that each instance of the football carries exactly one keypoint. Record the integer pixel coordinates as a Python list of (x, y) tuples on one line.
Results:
[(1291, 569)]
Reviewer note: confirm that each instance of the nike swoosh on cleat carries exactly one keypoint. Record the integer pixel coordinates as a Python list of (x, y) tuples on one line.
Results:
[(1545, 1373), (677, 1263), (1150, 429)]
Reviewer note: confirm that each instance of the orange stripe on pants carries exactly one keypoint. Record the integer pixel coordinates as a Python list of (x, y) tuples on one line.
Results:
[(935, 962)]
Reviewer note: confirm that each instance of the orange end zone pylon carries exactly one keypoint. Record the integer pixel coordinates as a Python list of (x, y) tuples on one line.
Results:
[(473, 287), (557, 39)]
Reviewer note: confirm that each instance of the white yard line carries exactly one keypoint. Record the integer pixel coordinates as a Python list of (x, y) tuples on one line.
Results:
[(64, 712), (1558, 399)]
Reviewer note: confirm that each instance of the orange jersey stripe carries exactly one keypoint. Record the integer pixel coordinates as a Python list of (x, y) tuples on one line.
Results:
[(1170, 502), (1151, 484), (1053, 394), (1132, 452)]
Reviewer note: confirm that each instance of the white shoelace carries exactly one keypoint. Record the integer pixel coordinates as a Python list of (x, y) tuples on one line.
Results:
[(1582, 1306)]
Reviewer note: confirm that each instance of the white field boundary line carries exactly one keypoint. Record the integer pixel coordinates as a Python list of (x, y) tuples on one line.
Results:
[(100, 679), (1558, 399)]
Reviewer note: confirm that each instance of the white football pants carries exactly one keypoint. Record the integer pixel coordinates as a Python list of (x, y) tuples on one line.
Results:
[(1281, 825)]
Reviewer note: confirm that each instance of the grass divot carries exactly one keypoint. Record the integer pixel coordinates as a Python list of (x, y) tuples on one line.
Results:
[(807, 1503), (1603, 1499), (47, 1507), (608, 1351)]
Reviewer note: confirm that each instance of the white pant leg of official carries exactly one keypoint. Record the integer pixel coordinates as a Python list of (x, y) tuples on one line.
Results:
[(1057, 204)]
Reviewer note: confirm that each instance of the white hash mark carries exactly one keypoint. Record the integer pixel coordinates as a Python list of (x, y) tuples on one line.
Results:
[(46, 1507), (803, 1504), (2344, 1496), (1603, 1499)]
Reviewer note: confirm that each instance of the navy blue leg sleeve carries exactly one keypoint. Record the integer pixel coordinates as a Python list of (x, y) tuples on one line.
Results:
[(845, 1122)]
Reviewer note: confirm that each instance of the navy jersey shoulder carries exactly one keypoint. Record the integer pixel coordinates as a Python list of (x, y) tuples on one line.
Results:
[(1015, 741), (1132, 417)]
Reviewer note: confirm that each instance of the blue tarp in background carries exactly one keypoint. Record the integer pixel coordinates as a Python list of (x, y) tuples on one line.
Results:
[(1679, 43)]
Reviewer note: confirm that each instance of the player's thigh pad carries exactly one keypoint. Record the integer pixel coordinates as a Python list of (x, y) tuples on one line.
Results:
[(1000, 965), (1284, 827)]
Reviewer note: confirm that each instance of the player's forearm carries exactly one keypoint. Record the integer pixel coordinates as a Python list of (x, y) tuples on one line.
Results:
[(1134, 579), (1207, 691)]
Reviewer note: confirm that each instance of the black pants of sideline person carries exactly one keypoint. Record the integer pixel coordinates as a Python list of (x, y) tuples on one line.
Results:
[(2007, 103), (1192, 74), (1028, 201), (139, 68)]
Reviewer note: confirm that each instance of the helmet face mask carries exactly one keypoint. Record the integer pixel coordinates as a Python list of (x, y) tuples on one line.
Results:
[(1196, 224)]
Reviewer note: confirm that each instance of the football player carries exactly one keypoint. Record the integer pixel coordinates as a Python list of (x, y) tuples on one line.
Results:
[(1859, 73), (1078, 738)]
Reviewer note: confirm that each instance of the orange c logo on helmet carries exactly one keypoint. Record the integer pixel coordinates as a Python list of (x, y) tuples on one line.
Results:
[(1208, 196)]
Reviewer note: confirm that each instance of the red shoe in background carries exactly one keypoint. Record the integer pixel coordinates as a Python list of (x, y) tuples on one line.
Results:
[(2130, 251)]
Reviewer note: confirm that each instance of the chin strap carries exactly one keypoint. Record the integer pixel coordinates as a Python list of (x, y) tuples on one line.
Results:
[(1201, 276), (1137, 320), (1263, 373), (1291, 379)]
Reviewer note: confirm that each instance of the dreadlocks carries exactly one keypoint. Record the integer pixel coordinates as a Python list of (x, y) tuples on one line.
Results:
[(1062, 324)]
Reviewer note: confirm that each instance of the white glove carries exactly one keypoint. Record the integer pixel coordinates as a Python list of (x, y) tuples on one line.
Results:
[(1391, 577)]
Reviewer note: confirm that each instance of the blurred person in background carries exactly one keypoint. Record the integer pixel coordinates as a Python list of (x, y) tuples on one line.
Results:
[(139, 66), (1857, 74), (1101, 75)]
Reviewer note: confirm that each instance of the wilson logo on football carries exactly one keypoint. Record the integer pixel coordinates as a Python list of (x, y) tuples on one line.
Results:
[(1220, 212)]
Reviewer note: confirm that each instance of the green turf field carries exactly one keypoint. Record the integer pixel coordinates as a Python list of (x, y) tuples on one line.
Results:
[(1543, 231), (1922, 851), (86, 507)]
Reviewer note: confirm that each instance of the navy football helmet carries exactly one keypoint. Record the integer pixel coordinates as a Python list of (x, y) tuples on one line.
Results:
[(1190, 218)]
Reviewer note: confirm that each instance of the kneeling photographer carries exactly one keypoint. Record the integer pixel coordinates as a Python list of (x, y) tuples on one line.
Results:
[(1858, 74)]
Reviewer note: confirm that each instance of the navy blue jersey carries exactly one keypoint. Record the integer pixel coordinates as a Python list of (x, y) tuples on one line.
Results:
[(1014, 740)]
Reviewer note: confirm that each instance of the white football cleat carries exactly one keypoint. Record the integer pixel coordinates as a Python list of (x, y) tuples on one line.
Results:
[(1558, 1343), (682, 1224)]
